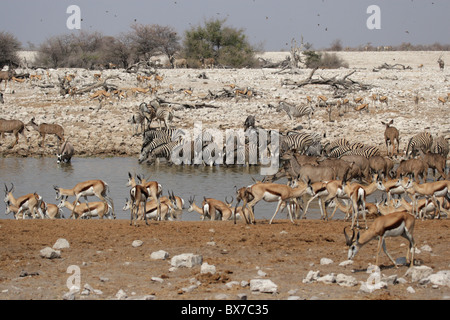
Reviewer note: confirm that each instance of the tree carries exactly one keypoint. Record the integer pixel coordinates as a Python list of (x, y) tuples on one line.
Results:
[(227, 45), (9, 45), (149, 40)]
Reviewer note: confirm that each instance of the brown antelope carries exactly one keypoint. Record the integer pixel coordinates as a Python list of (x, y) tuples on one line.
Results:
[(150, 209), (212, 206), (52, 211), (399, 223), (372, 209), (357, 194), (430, 189), (383, 99), (180, 63), (35, 77), (272, 192), (12, 126), (391, 135), (208, 63), (97, 188), (30, 202), (88, 210), (6, 76), (154, 190), (47, 128), (195, 207), (100, 94)]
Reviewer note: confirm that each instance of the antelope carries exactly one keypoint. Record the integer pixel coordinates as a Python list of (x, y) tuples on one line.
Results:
[(357, 194), (208, 63), (65, 152), (52, 211), (399, 223), (150, 209), (431, 189), (272, 192), (371, 208), (317, 189), (180, 63), (12, 126), (154, 190), (6, 75), (424, 206), (88, 210), (362, 106), (212, 206), (100, 94), (442, 100), (415, 167), (391, 135), (383, 99), (196, 208), (47, 128), (436, 162), (35, 77), (30, 202), (177, 202), (97, 188), (391, 187)]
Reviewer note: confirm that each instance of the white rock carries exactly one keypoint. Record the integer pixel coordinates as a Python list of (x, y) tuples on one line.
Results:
[(325, 261), (188, 260), (441, 278), (263, 285), (345, 263), (157, 279), (137, 243), (410, 290), (426, 248), (346, 281), (311, 277), (49, 253), (418, 273), (121, 295), (61, 244), (207, 268), (159, 255), (261, 273), (328, 279)]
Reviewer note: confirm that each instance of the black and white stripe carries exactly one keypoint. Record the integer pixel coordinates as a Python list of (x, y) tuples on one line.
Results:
[(296, 111), (297, 141), (421, 141), (440, 145)]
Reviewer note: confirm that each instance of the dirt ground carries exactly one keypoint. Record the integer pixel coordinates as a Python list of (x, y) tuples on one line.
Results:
[(281, 252)]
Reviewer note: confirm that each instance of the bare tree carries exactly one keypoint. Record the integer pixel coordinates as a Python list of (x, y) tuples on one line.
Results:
[(9, 45)]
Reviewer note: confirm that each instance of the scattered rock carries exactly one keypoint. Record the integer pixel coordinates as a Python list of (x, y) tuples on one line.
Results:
[(61, 244), (346, 281), (188, 260), (325, 261), (419, 273), (207, 268), (49, 253), (159, 255), (137, 243), (263, 285), (311, 277)]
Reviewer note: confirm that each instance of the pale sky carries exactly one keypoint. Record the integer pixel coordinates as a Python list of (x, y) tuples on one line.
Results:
[(271, 24)]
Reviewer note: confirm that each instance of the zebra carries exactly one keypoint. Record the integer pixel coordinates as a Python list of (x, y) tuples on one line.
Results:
[(366, 152), (421, 141), (296, 111), (211, 154), (298, 141), (162, 113), (164, 151), (330, 146), (440, 145)]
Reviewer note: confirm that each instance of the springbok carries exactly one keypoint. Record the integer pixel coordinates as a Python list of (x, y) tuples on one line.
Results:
[(395, 224), (97, 188), (88, 210), (30, 202)]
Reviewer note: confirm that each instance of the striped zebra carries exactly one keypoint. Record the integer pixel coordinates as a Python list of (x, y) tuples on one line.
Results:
[(212, 155), (297, 141), (366, 152), (294, 111), (156, 133), (440, 146), (354, 149), (162, 113), (330, 146), (421, 141), (163, 151)]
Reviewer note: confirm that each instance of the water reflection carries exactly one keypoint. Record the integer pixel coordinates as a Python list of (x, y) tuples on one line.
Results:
[(40, 175)]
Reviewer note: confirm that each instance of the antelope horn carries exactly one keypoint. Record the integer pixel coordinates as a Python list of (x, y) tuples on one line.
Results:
[(348, 241)]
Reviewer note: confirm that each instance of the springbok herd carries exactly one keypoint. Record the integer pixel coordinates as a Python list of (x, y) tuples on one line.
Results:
[(339, 174)]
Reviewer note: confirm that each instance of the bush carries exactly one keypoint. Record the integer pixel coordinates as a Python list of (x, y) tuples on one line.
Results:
[(9, 45), (228, 46), (325, 60)]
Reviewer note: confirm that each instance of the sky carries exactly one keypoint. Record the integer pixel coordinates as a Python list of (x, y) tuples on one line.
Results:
[(269, 24)]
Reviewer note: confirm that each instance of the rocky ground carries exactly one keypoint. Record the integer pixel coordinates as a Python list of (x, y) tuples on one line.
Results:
[(103, 129), (308, 260)]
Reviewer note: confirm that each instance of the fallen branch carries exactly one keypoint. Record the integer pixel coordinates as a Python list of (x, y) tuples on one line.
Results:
[(343, 83), (396, 66)]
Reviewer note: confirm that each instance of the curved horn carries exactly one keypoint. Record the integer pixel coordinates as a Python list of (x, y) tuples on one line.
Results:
[(229, 202), (348, 241)]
